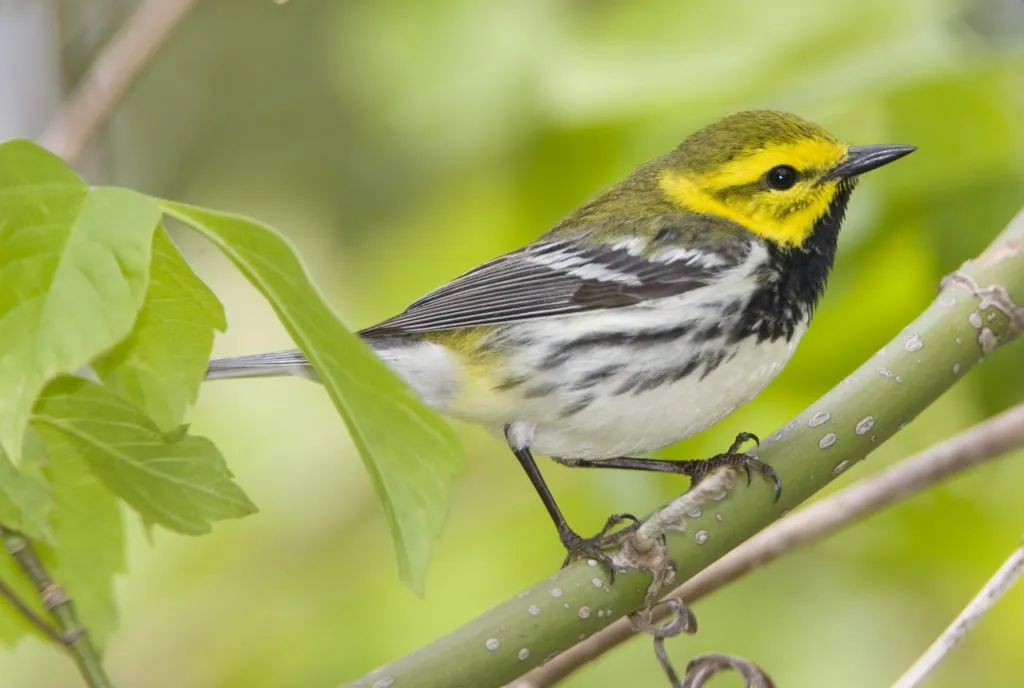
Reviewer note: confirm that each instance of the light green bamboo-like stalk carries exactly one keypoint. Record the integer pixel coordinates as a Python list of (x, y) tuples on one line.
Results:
[(974, 313)]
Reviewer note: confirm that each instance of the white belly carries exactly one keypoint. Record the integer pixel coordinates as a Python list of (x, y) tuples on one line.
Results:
[(557, 415), (630, 424)]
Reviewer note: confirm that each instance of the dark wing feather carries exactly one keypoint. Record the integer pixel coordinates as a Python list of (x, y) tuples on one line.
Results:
[(557, 277)]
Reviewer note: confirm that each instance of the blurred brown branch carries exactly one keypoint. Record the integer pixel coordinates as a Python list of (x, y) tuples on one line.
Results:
[(987, 598), (101, 89), (981, 443), (70, 633)]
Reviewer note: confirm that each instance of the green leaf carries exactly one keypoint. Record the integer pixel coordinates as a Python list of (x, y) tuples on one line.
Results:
[(89, 547), (408, 450), (160, 365), (25, 501), (174, 479), (73, 271)]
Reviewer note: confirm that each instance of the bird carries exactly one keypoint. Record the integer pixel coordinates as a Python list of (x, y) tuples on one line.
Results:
[(645, 316)]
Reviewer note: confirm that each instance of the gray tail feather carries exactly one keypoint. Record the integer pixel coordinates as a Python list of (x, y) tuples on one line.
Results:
[(291, 362)]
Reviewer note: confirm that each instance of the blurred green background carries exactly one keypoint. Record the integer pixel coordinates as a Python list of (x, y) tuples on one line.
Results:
[(400, 142)]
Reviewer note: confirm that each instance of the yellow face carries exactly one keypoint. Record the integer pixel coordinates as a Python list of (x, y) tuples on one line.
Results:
[(774, 190)]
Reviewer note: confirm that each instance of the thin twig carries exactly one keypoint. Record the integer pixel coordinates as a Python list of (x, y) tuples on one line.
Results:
[(71, 633), (109, 77), (983, 442), (993, 591), (8, 593)]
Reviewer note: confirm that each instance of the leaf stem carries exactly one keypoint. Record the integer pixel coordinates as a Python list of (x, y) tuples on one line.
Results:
[(70, 633)]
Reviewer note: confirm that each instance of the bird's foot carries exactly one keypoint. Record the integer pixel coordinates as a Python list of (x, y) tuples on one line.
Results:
[(697, 470), (577, 546)]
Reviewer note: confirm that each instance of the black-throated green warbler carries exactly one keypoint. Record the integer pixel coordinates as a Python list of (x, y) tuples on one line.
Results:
[(645, 316)]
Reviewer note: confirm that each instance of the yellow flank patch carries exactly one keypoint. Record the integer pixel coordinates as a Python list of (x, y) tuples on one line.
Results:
[(476, 397), (786, 217)]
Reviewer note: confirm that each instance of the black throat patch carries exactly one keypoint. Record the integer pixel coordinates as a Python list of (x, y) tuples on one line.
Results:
[(794, 279)]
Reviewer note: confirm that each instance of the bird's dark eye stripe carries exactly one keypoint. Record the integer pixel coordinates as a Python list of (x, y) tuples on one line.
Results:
[(782, 177)]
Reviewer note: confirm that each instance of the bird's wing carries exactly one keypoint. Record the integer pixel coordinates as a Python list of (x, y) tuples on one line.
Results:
[(560, 276)]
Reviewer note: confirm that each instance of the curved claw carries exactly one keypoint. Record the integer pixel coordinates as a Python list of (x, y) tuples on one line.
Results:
[(577, 546), (777, 482), (749, 462), (614, 520), (742, 437), (592, 548)]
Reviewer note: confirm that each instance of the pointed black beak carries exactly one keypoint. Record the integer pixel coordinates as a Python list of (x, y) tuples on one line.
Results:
[(861, 159)]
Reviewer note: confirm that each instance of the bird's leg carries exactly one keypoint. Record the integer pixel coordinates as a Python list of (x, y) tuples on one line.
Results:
[(696, 469), (575, 544)]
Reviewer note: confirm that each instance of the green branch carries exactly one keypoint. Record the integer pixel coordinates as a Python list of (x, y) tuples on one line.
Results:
[(974, 313), (988, 440), (70, 633)]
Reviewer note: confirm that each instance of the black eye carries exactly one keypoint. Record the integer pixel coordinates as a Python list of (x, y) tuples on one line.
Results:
[(781, 177)]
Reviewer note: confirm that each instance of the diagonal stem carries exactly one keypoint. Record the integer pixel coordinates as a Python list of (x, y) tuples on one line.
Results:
[(22, 607), (70, 632), (993, 591), (94, 100), (980, 444)]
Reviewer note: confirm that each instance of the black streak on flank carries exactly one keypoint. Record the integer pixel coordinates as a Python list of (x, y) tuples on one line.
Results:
[(575, 407), (609, 339), (629, 384), (541, 390), (708, 333), (652, 381), (712, 361), (555, 358), (597, 376), (510, 383), (733, 308), (687, 369)]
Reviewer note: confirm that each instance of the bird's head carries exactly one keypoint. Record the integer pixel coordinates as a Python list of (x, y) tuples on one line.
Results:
[(771, 172)]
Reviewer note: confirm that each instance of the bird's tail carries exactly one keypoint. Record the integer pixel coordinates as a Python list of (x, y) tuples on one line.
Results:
[(427, 368), (275, 363)]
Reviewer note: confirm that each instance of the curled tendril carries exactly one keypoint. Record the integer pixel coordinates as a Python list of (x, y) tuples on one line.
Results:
[(702, 668)]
